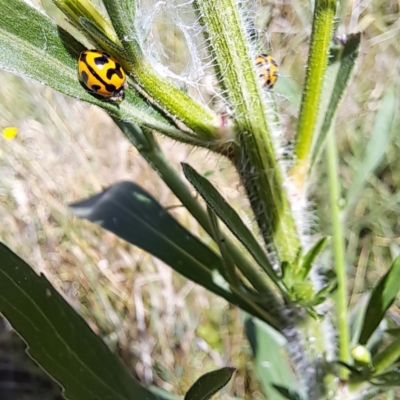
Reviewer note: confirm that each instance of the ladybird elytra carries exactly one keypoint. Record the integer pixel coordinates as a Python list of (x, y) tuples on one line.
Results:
[(267, 69), (102, 74)]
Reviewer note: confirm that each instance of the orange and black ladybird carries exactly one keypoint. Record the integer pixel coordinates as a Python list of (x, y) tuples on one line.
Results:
[(102, 74), (267, 69)]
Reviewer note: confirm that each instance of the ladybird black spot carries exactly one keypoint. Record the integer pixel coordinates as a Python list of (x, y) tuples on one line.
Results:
[(110, 88), (117, 71), (83, 57), (96, 88), (268, 82), (273, 62), (102, 60), (84, 77)]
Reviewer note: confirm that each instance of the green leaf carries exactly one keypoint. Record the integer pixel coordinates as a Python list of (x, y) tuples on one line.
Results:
[(31, 45), (382, 297), (387, 357), (230, 218), (393, 332), (337, 78), (287, 393), (377, 144), (356, 319), (59, 339), (209, 384), (229, 266), (390, 379), (309, 258), (134, 215), (271, 360)]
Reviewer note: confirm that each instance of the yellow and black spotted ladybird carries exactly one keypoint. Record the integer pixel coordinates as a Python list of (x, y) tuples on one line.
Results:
[(267, 70), (102, 74)]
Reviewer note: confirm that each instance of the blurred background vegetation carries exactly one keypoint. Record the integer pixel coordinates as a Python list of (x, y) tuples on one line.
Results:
[(167, 330)]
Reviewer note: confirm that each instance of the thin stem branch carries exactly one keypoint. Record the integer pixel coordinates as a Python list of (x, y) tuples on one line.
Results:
[(339, 251)]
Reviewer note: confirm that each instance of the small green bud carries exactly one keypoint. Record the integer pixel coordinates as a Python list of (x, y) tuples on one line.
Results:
[(304, 291), (361, 355)]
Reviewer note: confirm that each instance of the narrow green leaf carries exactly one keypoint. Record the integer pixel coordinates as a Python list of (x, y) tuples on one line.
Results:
[(134, 215), (229, 267), (59, 339), (382, 297), (342, 68), (288, 393), (356, 319), (41, 50), (310, 257), (209, 384), (230, 218), (388, 356), (393, 332), (271, 360), (377, 144), (390, 379)]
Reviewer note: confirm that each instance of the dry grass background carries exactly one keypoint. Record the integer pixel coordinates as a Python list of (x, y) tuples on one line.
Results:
[(166, 329)]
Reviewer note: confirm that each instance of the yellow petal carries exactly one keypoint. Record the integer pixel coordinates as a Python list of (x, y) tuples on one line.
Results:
[(10, 132)]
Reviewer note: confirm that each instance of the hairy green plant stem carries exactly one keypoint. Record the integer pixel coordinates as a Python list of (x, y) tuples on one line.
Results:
[(324, 14), (160, 91), (254, 155), (339, 252)]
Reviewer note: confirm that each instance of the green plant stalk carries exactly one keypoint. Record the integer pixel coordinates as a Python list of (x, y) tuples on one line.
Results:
[(339, 251), (254, 154), (386, 357), (160, 91), (324, 14), (149, 149)]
